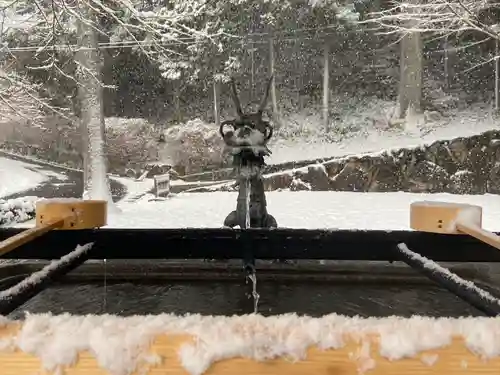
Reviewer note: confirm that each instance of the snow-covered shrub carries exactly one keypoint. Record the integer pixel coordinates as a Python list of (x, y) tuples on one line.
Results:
[(56, 139), (130, 142), (17, 210), (193, 147)]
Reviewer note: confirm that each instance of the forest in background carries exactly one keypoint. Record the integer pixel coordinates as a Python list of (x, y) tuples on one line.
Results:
[(298, 41)]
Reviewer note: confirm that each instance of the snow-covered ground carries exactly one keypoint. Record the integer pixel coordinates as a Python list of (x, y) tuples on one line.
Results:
[(304, 209), (301, 209), (17, 176), (310, 210), (342, 210), (134, 188)]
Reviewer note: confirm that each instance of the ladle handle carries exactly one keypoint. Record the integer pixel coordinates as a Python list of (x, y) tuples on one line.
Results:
[(479, 233), (28, 235)]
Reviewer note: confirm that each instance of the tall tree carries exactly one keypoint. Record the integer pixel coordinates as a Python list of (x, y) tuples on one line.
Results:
[(66, 37), (410, 79), (92, 124), (444, 18)]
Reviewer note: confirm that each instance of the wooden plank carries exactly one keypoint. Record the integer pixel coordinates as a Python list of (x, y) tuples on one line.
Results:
[(359, 354)]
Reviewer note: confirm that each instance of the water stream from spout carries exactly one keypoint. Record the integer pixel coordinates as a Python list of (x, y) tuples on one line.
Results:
[(105, 286), (251, 274), (253, 278)]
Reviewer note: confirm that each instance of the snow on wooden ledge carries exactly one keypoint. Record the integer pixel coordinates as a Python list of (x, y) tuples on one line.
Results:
[(250, 344)]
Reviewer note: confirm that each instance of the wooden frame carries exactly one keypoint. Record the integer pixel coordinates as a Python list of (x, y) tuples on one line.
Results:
[(66, 213), (161, 184), (280, 243), (359, 353)]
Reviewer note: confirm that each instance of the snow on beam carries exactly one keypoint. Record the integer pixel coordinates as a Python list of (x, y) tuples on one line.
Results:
[(466, 290), (251, 344), (15, 296)]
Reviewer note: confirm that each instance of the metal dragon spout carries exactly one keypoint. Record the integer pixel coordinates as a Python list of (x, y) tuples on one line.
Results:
[(247, 141)]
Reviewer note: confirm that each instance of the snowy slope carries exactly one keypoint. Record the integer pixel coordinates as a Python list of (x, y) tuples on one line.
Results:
[(345, 210), (16, 176), (309, 140)]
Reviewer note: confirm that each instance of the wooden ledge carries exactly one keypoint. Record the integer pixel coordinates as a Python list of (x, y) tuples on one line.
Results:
[(166, 354)]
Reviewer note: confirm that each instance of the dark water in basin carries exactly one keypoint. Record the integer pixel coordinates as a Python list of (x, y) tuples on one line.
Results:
[(349, 288), (229, 298)]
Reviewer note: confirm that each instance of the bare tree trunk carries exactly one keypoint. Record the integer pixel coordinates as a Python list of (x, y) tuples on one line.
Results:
[(85, 158), (274, 99), (326, 85), (177, 101), (410, 82), (215, 86), (446, 64), (252, 66), (450, 55), (297, 82), (497, 76), (96, 183)]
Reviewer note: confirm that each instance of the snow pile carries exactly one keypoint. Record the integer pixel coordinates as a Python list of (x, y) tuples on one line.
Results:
[(17, 210), (121, 345)]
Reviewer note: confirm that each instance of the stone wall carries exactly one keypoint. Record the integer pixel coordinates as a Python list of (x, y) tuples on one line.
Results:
[(464, 165)]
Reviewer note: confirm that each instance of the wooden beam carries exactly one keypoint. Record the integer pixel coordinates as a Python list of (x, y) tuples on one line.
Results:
[(284, 243), (359, 354)]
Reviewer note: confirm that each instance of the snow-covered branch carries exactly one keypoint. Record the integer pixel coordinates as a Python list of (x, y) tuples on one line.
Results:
[(53, 24), (437, 16), (19, 99), (44, 33)]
